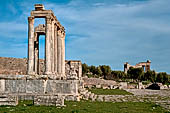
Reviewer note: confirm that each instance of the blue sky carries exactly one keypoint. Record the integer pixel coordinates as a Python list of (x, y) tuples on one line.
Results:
[(98, 32)]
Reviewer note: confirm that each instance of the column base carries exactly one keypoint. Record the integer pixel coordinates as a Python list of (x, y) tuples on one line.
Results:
[(48, 73), (31, 73)]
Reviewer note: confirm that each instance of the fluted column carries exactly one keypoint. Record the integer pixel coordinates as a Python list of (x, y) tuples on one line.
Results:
[(63, 54), (36, 53), (47, 46), (52, 46), (30, 45), (59, 51), (55, 50)]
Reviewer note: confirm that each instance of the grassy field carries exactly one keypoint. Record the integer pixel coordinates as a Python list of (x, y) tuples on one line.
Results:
[(109, 92), (85, 107)]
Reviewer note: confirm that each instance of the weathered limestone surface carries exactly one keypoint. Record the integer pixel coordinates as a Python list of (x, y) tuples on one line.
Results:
[(8, 100), (34, 87), (97, 81), (31, 45), (49, 100), (73, 69)]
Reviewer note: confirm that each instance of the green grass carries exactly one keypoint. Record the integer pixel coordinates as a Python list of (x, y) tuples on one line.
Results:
[(85, 107), (110, 92)]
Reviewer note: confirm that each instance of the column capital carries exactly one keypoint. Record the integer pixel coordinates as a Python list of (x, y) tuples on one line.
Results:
[(31, 19), (59, 32), (63, 36), (48, 19)]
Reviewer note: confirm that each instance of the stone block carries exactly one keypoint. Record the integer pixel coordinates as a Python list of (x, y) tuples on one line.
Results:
[(100, 98), (49, 100), (35, 86), (98, 86), (15, 86), (70, 98), (2, 86), (94, 98), (91, 95), (123, 85), (57, 86), (105, 87), (111, 87), (8, 100)]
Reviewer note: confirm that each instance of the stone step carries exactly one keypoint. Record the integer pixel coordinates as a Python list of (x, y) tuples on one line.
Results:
[(8, 100)]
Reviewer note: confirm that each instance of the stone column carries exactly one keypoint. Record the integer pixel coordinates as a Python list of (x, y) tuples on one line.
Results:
[(47, 46), (52, 46), (30, 45), (59, 51), (80, 70), (36, 51), (63, 54), (55, 49)]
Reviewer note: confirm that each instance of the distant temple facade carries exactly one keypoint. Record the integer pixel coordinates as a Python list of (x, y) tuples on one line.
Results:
[(144, 65)]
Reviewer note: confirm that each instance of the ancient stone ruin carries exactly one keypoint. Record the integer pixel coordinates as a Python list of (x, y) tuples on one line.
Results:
[(59, 80), (144, 65), (54, 43)]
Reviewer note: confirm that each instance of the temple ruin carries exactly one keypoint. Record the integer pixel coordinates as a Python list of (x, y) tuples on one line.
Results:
[(54, 43), (48, 82), (144, 65)]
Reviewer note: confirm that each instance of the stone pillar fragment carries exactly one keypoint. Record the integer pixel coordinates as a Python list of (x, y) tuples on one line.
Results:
[(47, 46), (80, 70), (30, 45)]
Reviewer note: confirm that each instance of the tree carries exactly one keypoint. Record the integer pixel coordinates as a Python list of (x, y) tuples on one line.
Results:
[(149, 75), (98, 71), (118, 74), (160, 77), (106, 70), (135, 73), (166, 79), (92, 69), (85, 69)]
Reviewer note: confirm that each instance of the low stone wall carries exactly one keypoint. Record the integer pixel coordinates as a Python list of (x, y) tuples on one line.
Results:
[(98, 81)]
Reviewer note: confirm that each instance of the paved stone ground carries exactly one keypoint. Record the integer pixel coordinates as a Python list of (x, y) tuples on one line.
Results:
[(149, 92), (161, 97)]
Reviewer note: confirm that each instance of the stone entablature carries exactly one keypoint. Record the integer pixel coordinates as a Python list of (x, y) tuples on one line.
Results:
[(40, 29)]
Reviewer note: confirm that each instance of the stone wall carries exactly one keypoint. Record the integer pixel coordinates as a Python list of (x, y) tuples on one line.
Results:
[(98, 81), (24, 85), (18, 66)]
